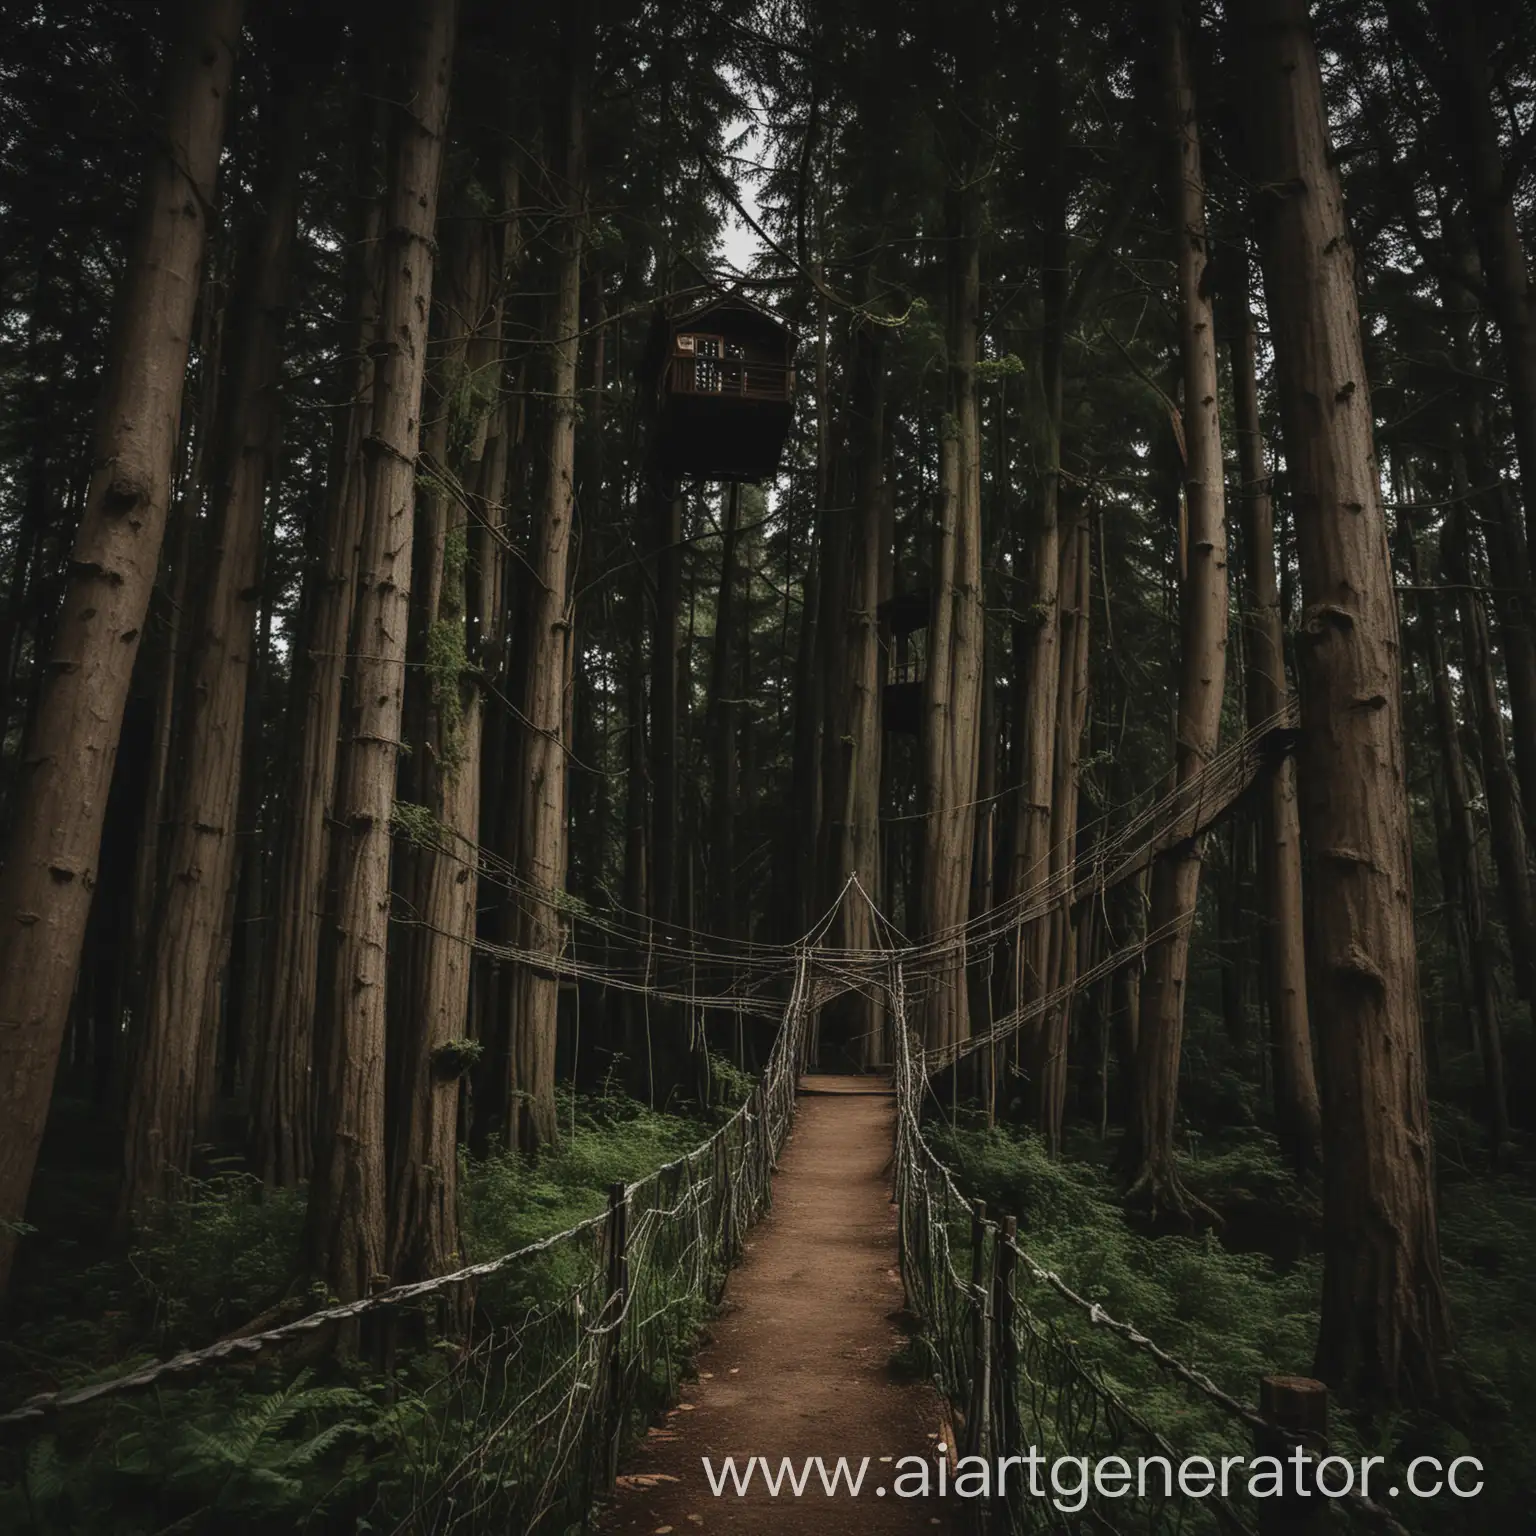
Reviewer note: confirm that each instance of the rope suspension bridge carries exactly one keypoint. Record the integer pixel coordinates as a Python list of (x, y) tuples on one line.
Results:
[(579, 1339)]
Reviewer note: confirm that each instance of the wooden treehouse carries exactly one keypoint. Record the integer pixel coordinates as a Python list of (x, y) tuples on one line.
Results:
[(904, 620), (725, 386)]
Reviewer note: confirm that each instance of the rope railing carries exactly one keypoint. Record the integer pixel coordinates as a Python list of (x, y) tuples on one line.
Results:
[(534, 1452), (579, 1337), (577, 1340), (1018, 1381), (1175, 815), (614, 947)]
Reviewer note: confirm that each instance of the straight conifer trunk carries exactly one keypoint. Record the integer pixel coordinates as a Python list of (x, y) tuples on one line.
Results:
[(1467, 84), (722, 728), (542, 787), (1037, 640), (1048, 1061), (423, 1205), (1385, 1331), (1463, 876), (1147, 1154), (666, 641), (346, 1231), (1506, 818), (49, 866), (1298, 1113), (281, 1115), (952, 685), (851, 744), (189, 937)]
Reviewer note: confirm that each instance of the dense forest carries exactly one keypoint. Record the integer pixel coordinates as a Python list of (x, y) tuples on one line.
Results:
[(517, 521)]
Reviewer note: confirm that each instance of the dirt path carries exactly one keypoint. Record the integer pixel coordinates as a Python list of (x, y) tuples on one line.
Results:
[(799, 1365)]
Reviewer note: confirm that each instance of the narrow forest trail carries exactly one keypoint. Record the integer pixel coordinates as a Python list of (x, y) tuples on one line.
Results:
[(800, 1360)]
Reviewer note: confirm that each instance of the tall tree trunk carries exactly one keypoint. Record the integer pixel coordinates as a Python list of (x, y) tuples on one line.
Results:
[(1298, 1112), (722, 735), (1048, 1062), (956, 638), (590, 705), (249, 987), (1466, 886), (433, 1021), (1385, 1330), (1514, 599), (281, 1115), (1477, 482), (166, 653), (805, 764), (49, 865), (851, 744), (637, 1041), (1147, 1154), (33, 521), (499, 656), (346, 1234), (666, 642), (1486, 263), (1037, 640), (1466, 82), (1506, 819), (189, 936), (542, 788)]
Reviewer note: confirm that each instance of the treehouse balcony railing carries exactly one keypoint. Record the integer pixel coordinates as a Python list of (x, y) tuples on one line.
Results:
[(729, 377)]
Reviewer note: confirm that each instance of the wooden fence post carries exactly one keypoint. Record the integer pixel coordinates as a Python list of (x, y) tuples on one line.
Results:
[(764, 1151), (727, 1197), (618, 1303), (1295, 1407), (981, 1368), (1005, 1420)]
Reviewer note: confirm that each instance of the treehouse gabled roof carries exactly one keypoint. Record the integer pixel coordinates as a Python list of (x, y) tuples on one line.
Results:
[(736, 313)]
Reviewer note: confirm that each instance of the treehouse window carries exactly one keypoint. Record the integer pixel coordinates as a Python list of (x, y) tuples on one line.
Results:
[(718, 367), (706, 362)]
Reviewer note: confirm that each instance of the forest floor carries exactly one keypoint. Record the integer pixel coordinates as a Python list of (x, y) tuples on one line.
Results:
[(800, 1360)]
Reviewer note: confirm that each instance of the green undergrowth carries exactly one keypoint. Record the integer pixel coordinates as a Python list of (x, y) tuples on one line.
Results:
[(511, 1200), (307, 1442), (1232, 1315), (1239, 1312)]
